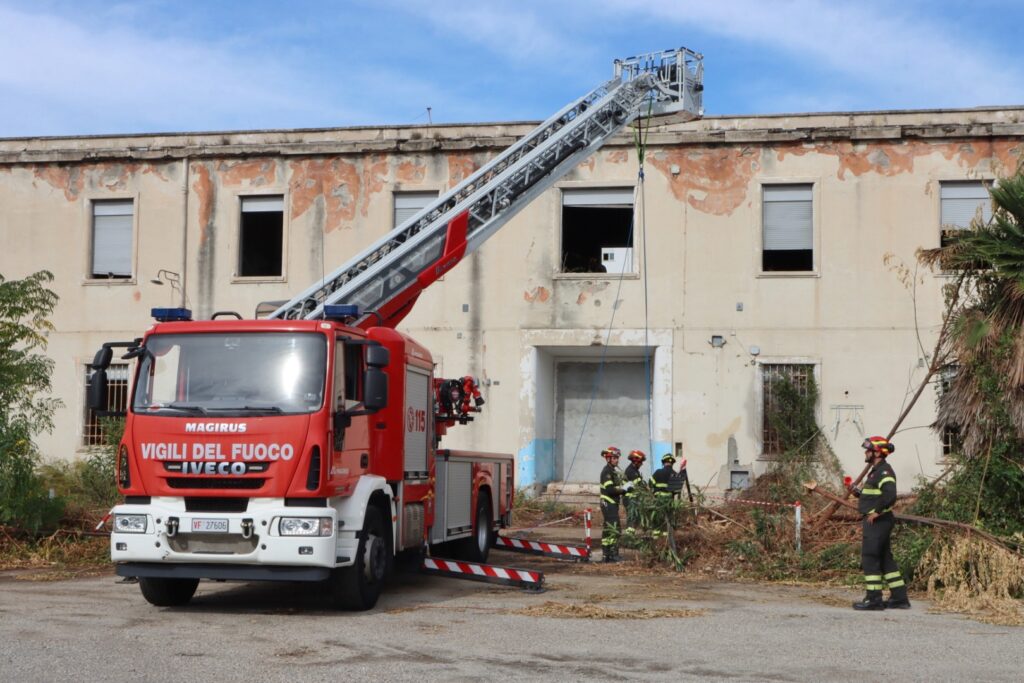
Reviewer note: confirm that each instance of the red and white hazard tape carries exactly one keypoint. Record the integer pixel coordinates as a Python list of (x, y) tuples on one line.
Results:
[(523, 545), (489, 573), (755, 502)]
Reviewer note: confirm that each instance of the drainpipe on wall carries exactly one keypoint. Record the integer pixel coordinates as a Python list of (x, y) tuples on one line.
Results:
[(184, 232)]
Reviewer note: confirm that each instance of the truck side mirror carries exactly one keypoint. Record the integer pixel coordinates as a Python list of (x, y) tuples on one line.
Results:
[(97, 397), (377, 356), (375, 388), (103, 358)]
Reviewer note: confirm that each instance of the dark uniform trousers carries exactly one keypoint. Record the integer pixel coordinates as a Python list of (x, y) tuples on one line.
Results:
[(611, 493)]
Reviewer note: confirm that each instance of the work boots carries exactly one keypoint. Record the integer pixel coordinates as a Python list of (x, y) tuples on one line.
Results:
[(610, 555), (897, 599), (872, 602)]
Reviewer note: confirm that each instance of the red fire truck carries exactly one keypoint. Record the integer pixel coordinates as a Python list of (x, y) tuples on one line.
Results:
[(306, 446)]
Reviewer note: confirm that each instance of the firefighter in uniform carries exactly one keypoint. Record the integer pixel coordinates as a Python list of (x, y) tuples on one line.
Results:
[(661, 478), (875, 502), (660, 482), (634, 479), (678, 480), (612, 488)]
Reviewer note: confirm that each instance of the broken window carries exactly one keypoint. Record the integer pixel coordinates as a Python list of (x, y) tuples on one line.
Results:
[(962, 202), (408, 204), (112, 238), (788, 229), (800, 376), (261, 237), (117, 401), (597, 230)]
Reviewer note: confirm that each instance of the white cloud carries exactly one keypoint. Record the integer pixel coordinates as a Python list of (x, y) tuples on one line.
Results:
[(117, 79)]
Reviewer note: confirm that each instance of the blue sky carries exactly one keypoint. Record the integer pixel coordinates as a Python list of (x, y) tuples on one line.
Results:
[(87, 67)]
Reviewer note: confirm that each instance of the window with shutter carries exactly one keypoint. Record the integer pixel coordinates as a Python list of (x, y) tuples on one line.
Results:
[(112, 238), (788, 228), (408, 204), (962, 202), (597, 230)]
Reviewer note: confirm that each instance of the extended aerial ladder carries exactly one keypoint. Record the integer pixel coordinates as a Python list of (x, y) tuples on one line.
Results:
[(385, 279)]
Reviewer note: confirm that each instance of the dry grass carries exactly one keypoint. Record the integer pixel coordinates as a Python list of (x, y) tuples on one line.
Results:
[(565, 610), (61, 555), (972, 577)]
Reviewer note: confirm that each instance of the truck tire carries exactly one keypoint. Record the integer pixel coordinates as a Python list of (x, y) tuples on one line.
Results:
[(167, 592), (477, 547), (358, 586)]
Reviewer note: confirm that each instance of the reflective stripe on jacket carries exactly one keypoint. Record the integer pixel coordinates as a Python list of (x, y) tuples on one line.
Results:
[(879, 492), (611, 485)]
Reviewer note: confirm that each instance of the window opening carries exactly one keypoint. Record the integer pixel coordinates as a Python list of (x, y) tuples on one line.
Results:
[(261, 237), (962, 202), (788, 240), (799, 375), (597, 231), (951, 442), (408, 204), (112, 239), (117, 401)]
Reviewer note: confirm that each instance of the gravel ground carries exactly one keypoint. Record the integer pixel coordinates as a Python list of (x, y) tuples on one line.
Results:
[(431, 628)]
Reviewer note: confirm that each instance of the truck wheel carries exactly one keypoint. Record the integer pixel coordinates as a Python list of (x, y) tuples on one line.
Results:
[(358, 586), (167, 592), (477, 547)]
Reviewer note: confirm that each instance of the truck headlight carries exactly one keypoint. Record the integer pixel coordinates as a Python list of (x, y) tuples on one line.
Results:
[(305, 526), (130, 524)]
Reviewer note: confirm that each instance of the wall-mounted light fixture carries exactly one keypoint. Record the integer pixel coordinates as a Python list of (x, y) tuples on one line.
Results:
[(717, 341), (173, 279)]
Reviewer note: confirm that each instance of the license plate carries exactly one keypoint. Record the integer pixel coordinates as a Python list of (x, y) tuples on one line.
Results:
[(209, 526)]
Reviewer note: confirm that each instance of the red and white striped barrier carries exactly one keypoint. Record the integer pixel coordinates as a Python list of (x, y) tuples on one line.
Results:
[(562, 551), (489, 573), (580, 553)]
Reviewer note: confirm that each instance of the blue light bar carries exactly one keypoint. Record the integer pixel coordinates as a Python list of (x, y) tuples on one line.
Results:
[(340, 311), (171, 315)]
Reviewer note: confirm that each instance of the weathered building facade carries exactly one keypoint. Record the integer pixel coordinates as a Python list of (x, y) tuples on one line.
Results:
[(646, 315)]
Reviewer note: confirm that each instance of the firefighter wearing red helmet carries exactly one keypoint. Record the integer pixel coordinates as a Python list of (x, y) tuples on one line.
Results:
[(634, 479), (875, 502), (612, 488)]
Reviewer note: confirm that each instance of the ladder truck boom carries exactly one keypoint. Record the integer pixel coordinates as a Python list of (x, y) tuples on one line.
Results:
[(385, 279)]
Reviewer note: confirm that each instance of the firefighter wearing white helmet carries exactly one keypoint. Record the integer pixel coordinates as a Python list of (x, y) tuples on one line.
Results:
[(612, 488), (875, 502)]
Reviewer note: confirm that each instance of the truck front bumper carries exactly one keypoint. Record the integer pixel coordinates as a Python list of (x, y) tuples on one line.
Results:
[(247, 545)]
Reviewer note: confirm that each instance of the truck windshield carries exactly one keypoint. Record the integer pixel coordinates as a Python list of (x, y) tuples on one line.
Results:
[(225, 374)]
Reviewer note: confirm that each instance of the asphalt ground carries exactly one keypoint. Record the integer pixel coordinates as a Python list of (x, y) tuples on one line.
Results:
[(428, 628)]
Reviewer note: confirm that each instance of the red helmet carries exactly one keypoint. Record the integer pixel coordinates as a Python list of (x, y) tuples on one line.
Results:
[(637, 456), (878, 444), (611, 452)]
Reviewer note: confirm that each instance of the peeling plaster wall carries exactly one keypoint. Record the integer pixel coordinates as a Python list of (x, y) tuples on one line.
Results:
[(506, 314)]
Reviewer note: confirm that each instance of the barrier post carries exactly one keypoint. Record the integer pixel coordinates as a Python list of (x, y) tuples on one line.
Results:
[(797, 511), (586, 525)]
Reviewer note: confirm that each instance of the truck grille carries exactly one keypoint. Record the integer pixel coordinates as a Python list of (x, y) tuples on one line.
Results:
[(213, 544), (214, 483), (196, 504)]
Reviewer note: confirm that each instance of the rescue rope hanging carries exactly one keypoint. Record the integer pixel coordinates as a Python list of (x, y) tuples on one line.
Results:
[(640, 143)]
